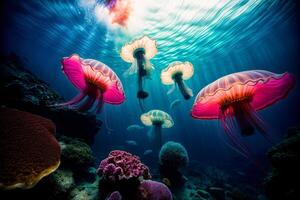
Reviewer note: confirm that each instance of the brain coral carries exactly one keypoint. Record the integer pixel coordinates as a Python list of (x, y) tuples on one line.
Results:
[(122, 165), (174, 155), (28, 149)]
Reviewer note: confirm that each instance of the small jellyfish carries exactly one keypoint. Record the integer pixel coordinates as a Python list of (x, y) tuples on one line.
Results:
[(175, 73), (139, 52), (96, 82), (235, 99), (157, 119)]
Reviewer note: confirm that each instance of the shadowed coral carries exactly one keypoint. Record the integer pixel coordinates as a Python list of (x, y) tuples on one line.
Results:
[(172, 158), (174, 155), (28, 149), (75, 153)]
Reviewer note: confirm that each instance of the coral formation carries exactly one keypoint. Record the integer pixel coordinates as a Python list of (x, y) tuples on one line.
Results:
[(173, 157), (153, 190), (173, 154), (122, 165), (76, 154), (28, 149), (285, 159), (122, 172), (23, 90)]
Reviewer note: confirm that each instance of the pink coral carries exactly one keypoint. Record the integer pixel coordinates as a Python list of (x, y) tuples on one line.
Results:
[(122, 165)]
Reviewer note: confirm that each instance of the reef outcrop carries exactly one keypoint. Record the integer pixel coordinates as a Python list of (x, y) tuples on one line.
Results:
[(283, 182), (20, 89)]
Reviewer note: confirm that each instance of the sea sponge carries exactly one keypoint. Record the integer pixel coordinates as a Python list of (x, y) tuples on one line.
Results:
[(173, 155), (28, 149)]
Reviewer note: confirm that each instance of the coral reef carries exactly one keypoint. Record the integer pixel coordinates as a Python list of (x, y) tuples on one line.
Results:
[(153, 190), (76, 154), (21, 89), (122, 172), (172, 158), (285, 159), (28, 149), (173, 154), (121, 165), (75, 178)]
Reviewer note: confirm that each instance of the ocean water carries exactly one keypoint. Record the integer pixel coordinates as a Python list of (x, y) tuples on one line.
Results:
[(217, 37)]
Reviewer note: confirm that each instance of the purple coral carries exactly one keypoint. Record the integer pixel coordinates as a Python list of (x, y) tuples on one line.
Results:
[(153, 190), (121, 165)]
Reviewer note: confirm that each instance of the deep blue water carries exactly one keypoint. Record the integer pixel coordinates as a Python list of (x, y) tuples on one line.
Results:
[(218, 38)]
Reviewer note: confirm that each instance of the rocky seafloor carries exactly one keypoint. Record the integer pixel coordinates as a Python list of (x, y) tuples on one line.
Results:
[(77, 178)]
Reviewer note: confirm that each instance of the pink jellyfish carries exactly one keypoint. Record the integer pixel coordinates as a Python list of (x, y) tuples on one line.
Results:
[(96, 82), (235, 98)]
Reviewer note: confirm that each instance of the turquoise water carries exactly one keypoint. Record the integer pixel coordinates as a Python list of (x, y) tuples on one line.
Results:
[(217, 37)]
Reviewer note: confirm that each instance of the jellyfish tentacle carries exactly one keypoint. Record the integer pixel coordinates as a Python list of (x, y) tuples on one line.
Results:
[(92, 94), (172, 89), (132, 70), (157, 135), (77, 99), (100, 102), (227, 123), (185, 91), (139, 56)]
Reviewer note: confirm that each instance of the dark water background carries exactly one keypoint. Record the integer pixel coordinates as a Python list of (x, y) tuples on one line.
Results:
[(42, 32)]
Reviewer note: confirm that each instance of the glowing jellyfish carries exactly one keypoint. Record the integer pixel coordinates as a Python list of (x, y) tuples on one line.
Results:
[(157, 119), (96, 82), (235, 98), (139, 52), (176, 73)]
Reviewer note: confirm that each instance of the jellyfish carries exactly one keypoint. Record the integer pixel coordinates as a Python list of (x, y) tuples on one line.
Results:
[(176, 73), (235, 99), (157, 119), (139, 52), (96, 82)]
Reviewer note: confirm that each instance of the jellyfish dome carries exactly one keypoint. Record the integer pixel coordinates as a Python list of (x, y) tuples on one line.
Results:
[(235, 98), (139, 52), (176, 73), (96, 82), (158, 119)]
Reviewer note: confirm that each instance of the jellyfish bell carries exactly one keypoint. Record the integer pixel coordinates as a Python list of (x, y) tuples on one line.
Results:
[(236, 98), (176, 73), (139, 52), (157, 119), (95, 81)]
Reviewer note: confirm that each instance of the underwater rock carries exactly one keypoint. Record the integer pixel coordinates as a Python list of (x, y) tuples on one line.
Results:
[(75, 154), (28, 149), (21, 89), (173, 157), (283, 183)]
